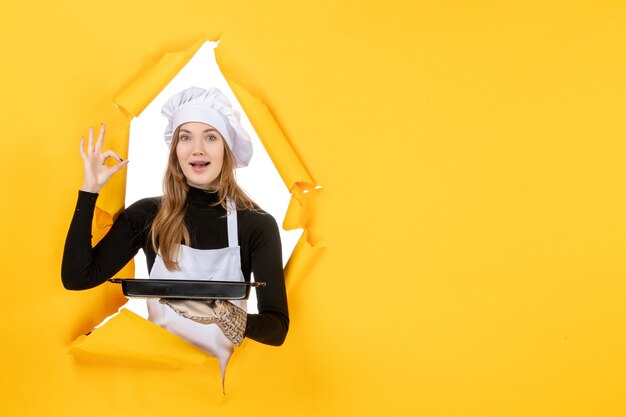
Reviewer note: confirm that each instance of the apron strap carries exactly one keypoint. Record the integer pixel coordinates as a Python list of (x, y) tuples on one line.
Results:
[(231, 220)]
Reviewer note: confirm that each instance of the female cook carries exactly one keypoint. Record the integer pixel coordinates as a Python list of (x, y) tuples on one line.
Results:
[(203, 227)]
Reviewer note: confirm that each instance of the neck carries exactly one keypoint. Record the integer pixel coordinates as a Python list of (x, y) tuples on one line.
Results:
[(200, 197)]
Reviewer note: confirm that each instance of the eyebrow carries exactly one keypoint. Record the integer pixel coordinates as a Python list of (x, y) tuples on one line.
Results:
[(205, 131)]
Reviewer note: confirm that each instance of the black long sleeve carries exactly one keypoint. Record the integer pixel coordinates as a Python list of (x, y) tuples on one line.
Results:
[(86, 267)]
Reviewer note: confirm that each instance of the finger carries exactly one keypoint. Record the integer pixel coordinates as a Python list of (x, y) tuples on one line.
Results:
[(90, 143), (112, 170), (82, 148), (109, 153), (100, 138), (115, 168)]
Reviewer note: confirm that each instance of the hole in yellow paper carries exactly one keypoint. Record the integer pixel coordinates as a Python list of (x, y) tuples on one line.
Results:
[(127, 336), (148, 153)]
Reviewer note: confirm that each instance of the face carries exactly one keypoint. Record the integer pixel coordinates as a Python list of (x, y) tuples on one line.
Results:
[(200, 152)]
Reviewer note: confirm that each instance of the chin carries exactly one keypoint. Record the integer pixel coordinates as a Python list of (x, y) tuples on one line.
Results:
[(204, 185)]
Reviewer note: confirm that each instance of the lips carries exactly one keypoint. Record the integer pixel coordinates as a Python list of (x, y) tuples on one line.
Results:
[(199, 166)]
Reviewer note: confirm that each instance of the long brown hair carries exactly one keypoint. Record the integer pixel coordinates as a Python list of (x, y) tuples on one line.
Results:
[(168, 229)]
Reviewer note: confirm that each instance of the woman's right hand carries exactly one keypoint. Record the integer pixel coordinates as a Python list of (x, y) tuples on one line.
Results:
[(97, 173)]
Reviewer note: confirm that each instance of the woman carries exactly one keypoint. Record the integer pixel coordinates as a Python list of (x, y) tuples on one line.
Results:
[(203, 227)]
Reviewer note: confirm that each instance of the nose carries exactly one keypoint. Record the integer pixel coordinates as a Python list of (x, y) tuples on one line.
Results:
[(197, 149)]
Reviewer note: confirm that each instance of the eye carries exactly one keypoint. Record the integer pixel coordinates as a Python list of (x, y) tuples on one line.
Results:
[(211, 138), (184, 138)]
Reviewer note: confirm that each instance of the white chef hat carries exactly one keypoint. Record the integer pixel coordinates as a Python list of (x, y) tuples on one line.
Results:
[(211, 107)]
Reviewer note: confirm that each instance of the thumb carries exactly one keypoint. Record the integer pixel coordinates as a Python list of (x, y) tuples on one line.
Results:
[(117, 167)]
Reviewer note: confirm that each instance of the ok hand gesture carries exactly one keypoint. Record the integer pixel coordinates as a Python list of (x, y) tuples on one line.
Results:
[(97, 173)]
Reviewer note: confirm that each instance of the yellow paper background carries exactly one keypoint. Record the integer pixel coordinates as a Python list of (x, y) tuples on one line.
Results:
[(472, 158)]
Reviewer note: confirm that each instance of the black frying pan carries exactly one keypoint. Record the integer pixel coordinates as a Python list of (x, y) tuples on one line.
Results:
[(188, 289)]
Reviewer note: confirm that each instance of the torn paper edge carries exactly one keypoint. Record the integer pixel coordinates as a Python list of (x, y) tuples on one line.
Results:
[(136, 97)]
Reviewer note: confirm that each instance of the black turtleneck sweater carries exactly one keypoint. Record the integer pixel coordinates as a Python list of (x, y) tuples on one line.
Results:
[(259, 240)]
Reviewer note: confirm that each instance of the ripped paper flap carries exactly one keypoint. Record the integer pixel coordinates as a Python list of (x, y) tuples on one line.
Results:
[(271, 135), (129, 337), (136, 97)]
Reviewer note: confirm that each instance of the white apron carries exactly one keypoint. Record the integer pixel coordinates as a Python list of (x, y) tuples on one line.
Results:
[(204, 264)]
